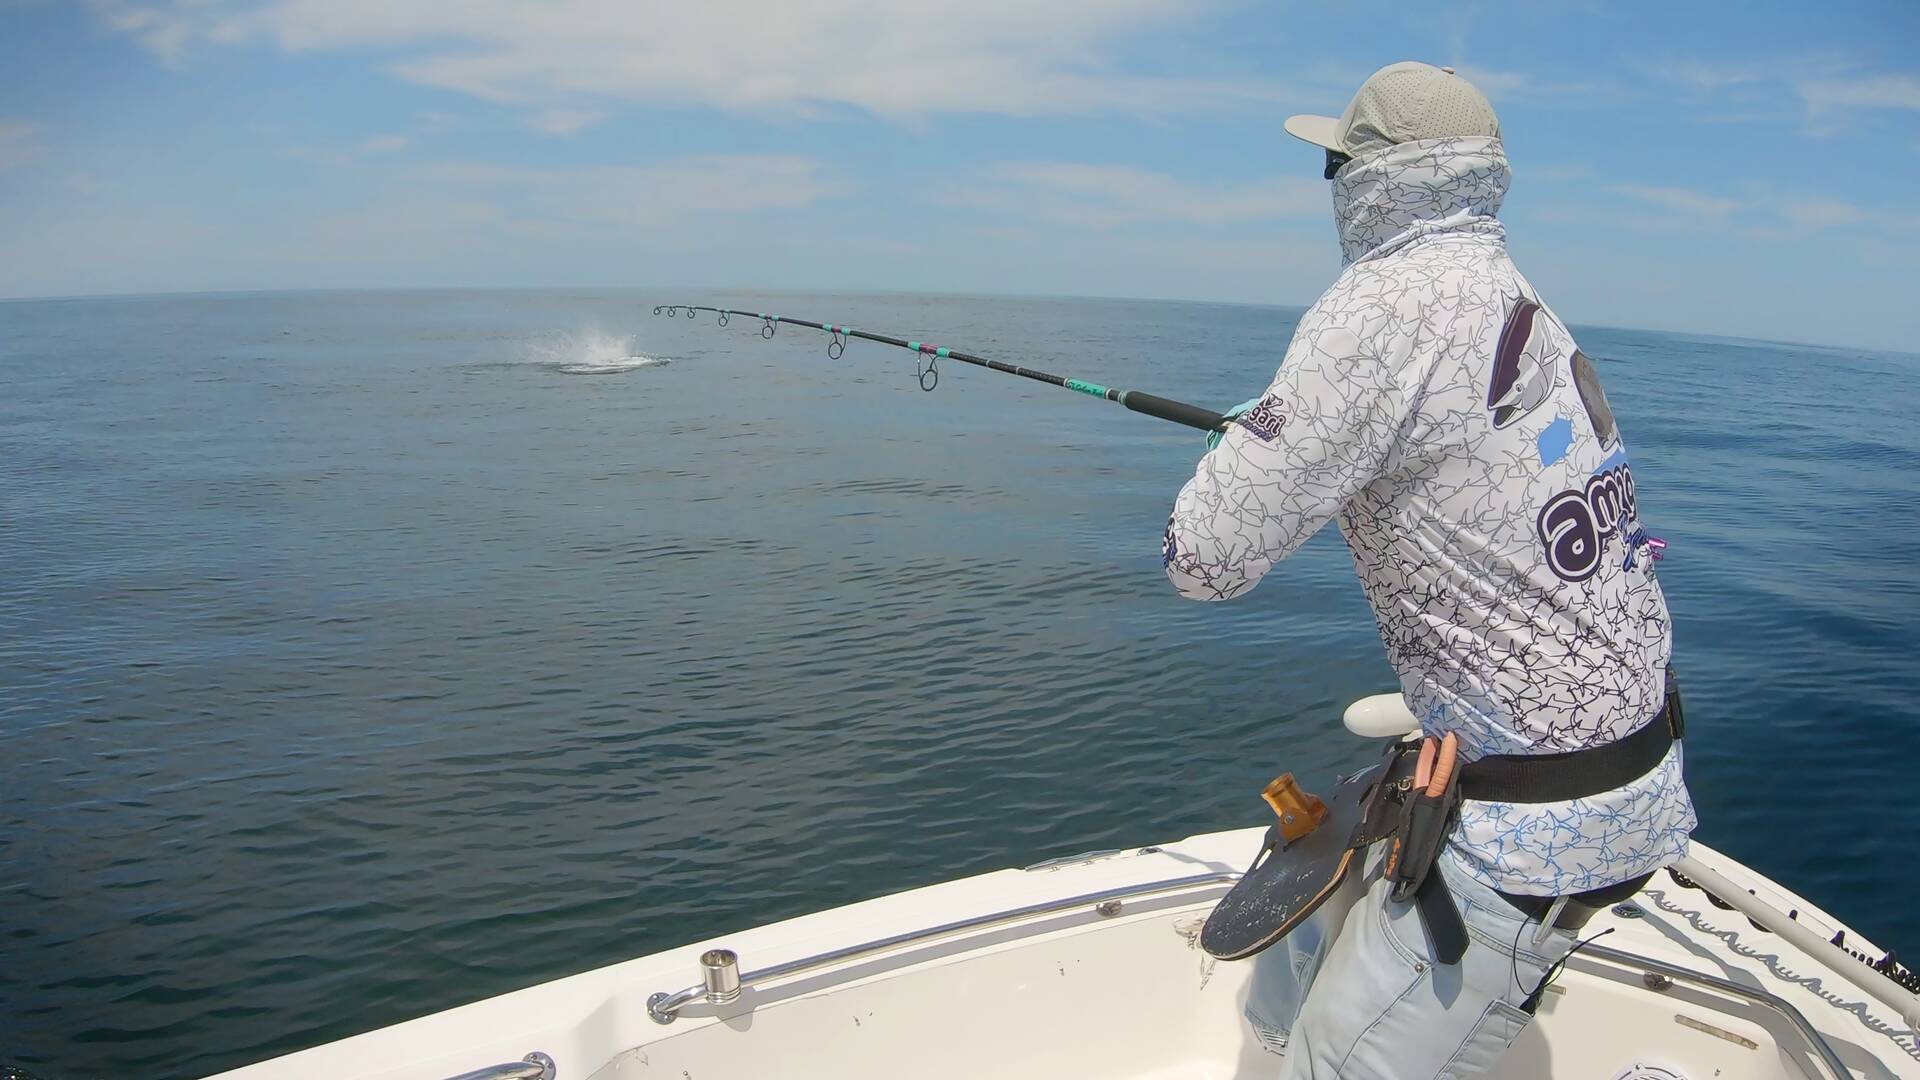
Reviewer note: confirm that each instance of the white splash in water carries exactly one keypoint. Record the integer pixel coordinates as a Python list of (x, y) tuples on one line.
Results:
[(590, 352)]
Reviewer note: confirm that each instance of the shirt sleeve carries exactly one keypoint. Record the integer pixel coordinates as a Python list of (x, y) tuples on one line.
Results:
[(1321, 433)]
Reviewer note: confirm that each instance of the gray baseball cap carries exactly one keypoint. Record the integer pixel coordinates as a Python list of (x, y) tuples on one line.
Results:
[(1404, 102)]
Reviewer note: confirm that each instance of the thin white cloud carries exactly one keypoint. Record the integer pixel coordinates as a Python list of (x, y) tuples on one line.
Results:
[(385, 144), (1494, 83), (1503, 87), (882, 56), (1822, 213), (1559, 173), (1709, 75), (1814, 87), (1107, 196), (1768, 216), (564, 121), (1685, 200), (439, 224), (1872, 92), (19, 145), (163, 30), (438, 121), (648, 194)]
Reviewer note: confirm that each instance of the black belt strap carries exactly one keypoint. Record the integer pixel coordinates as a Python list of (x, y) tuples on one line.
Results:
[(1441, 916), (1576, 774)]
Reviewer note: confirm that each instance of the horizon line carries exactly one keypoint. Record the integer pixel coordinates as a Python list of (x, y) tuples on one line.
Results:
[(314, 290)]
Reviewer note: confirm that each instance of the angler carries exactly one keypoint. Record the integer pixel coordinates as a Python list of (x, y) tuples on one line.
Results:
[(1435, 406)]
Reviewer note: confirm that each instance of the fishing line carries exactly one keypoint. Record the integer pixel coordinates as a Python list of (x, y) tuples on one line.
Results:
[(928, 357)]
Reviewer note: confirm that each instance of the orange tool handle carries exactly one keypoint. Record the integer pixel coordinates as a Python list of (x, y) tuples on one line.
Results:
[(1444, 763)]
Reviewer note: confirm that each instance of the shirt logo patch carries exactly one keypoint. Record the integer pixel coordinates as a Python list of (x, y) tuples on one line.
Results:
[(1576, 525), (1264, 420), (1554, 441), (1524, 371), (1599, 413)]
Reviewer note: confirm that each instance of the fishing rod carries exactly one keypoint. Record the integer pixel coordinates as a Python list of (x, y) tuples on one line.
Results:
[(929, 357)]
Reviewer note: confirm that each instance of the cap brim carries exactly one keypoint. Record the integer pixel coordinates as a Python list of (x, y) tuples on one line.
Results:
[(1323, 131)]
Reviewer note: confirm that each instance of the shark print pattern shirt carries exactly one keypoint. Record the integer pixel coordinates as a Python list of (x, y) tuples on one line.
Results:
[(1434, 406)]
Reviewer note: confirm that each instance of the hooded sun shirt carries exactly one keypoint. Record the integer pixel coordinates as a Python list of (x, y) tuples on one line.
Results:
[(1440, 411)]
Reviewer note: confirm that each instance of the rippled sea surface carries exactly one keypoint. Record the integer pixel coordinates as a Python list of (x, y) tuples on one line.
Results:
[(365, 654)]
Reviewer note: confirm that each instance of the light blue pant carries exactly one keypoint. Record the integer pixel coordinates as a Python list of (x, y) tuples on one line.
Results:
[(1375, 1006)]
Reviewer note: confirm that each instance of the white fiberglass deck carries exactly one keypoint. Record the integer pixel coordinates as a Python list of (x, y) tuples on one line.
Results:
[(1091, 991)]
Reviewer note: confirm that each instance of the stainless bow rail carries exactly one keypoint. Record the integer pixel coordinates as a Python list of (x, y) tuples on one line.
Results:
[(1647, 964), (535, 1066), (722, 981), (1826, 953)]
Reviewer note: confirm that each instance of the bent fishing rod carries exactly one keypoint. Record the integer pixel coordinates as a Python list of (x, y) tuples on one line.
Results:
[(929, 357)]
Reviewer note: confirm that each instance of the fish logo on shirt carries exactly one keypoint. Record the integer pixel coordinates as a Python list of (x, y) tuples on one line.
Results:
[(1524, 371)]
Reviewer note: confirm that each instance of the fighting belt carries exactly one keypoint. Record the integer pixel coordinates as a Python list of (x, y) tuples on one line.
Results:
[(1409, 800), (1304, 860)]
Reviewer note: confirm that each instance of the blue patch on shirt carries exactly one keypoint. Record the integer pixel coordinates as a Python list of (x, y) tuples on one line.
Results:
[(1618, 457), (1555, 440)]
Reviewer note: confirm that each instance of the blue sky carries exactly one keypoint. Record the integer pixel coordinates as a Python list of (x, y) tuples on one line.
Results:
[(1735, 168)]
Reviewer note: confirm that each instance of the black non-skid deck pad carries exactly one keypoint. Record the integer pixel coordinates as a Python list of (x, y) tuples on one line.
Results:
[(1285, 886)]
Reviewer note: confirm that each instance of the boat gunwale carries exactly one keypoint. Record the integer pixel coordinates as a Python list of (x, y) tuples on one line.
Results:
[(664, 1007)]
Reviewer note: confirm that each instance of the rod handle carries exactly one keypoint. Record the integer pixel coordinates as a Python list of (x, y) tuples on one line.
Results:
[(1177, 411)]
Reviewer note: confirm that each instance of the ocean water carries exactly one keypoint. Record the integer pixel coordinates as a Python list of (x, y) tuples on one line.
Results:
[(365, 654)]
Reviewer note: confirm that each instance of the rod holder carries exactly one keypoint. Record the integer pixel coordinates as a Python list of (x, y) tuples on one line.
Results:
[(720, 972)]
